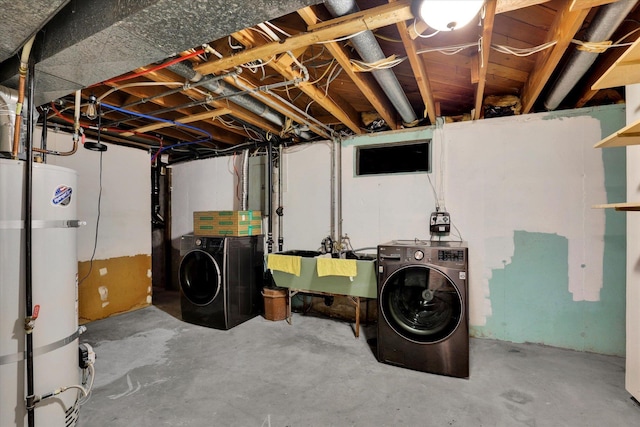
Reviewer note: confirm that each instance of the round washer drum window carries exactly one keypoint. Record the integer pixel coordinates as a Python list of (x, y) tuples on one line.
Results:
[(421, 304), (199, 275)]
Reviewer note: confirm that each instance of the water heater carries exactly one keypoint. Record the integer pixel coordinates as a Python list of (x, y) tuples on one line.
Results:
[(54, 282)]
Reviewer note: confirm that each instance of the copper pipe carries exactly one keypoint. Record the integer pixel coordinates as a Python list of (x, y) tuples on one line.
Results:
[(18, 121)]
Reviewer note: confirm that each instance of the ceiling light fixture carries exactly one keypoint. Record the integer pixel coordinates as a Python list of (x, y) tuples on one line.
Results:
[(446, 15), (92, 111)]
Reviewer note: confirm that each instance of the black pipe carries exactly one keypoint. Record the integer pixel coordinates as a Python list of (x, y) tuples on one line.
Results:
[(269, 195), (43, 143), (28, 216), (156, 218)]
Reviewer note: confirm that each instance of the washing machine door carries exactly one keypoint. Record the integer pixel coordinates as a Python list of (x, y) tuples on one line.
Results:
[(421, 303), (200, 278)]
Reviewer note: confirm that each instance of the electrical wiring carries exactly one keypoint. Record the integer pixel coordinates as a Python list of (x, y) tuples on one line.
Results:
[(523, 52), (159, 119), (385, 63), (136, 84), (449, 50), (415, 30), (278, 29), (105, 129), (155, 68), (332, 76), (89, 388), (95, 240), (314, 57), (324, 73), (387, 38), (339, 39), (234, 47)]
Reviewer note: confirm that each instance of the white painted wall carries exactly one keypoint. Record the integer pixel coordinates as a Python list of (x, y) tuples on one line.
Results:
[(125, 221), (633, 251), (201, 185), (529, 173), (306, 195)]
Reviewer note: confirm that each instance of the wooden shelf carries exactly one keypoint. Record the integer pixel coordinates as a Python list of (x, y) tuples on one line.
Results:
[(629, 206), (628, 135), (625, 71)]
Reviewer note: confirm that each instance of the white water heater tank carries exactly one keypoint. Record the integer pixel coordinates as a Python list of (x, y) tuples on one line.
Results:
[(54, 279)]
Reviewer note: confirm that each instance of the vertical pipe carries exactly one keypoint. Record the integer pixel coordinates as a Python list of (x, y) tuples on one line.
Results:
[(28, 189), (333, 190), (24, 64), (280, 209), (245, 180), (268, 196), (339, 191), (43, 142)]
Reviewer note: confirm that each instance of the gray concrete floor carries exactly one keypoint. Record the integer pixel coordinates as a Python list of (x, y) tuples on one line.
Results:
[(155, 370)]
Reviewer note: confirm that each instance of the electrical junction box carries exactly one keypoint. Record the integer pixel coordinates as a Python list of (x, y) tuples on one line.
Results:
[(440, 223)]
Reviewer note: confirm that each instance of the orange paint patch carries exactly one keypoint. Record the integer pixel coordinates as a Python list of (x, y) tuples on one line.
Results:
[(114, 285)]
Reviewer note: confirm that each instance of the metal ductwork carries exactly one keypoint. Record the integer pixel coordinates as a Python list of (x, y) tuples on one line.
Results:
[(606, 21), (219, 87), (91, 41), (369, 50), (21, 20), (237, 96)]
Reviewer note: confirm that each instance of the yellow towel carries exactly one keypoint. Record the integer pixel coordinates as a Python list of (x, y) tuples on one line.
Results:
[(336, 267), (287, 263)]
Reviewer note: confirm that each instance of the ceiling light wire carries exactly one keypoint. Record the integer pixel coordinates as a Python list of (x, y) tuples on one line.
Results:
[(420, 35)]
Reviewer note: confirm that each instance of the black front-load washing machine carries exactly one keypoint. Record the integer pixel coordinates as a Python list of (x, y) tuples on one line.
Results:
[(221, 279), (423, 309)]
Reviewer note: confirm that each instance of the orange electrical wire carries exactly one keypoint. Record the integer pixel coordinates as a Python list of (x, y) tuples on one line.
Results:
[(156, 68)]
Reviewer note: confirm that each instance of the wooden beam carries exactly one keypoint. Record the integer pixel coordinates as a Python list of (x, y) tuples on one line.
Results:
[(363, 81), (564, 27), (207, 115), (509, 5), (419, 70), (487, 34), (369, 19), (339, 108)]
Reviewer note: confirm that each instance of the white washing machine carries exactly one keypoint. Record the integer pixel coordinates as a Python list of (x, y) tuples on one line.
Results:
[(423, 307)]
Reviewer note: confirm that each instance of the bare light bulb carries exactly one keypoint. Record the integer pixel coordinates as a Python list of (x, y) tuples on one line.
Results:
[(92, 111)]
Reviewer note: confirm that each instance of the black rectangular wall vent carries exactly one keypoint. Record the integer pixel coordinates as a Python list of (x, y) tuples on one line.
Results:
[(393, 158)]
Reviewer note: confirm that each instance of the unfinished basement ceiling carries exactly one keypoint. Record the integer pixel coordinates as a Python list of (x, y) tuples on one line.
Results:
[(194, 79)]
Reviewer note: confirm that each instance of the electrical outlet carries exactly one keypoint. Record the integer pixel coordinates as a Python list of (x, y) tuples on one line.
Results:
[(440, 223)]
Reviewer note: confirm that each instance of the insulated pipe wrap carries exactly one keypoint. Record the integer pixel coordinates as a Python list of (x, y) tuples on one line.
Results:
[(185, 70), (369, 50), (604, 24)]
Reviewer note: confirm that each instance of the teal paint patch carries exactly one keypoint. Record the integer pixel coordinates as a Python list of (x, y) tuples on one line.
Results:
[(606, 322), (531, 302)]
